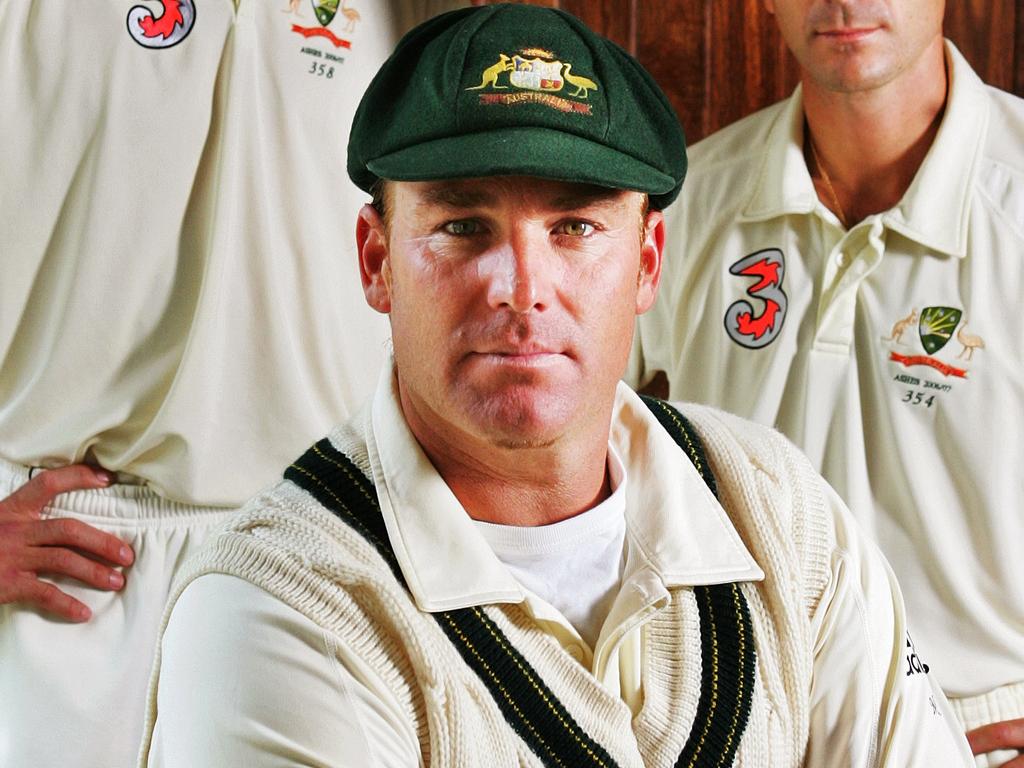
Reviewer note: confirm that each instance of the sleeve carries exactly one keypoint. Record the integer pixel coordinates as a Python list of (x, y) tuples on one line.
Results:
[(873, 701), (247, 680)]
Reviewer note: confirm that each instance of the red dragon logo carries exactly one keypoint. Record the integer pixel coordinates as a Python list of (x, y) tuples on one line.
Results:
[(163, 31), (741, 323)]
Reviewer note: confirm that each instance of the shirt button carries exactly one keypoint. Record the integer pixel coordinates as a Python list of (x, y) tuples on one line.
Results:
[(842, 259)]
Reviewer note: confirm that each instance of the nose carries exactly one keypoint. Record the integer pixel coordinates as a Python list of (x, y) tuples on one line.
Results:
[(521, 273)]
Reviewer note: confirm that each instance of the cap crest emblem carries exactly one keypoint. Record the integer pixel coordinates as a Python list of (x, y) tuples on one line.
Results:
[(534, 74)]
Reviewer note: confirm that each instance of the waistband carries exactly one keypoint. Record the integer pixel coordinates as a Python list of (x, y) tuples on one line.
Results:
[(1004, 703), (120, 501)]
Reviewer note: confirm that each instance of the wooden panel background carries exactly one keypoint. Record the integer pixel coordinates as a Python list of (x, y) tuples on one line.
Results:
[(719, 60)]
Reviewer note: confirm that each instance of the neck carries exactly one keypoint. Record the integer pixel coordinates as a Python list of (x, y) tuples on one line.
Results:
[(528, 490), (870, 144), (517, 485)]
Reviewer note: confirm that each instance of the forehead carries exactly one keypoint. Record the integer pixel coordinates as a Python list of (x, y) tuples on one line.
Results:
[(494, 191)]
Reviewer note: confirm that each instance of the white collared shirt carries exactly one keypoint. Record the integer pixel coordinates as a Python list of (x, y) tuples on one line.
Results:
[(576, 564), (894, 359), (677, 534)]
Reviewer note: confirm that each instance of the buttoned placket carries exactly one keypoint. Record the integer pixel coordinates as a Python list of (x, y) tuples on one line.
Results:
[(849, 258), (852, 257), (641, 597)]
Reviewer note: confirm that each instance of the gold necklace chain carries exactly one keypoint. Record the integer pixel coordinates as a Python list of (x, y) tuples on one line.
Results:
[(828, 183)]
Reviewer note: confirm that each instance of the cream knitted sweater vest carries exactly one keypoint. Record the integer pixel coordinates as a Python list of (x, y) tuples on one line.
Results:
[(286, 543)]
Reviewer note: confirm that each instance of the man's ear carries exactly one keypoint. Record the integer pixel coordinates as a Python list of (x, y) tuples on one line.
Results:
[(651, 251), (374, 261)]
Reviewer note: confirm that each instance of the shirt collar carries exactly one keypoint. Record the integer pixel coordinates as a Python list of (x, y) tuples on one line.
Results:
[(679, 527), (935, 209), (783, 184)]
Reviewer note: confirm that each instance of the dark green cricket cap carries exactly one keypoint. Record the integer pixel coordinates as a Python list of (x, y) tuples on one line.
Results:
[(516, 90)]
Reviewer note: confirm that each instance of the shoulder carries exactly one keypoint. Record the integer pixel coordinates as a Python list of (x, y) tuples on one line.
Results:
[(1001, 177), (1001, 113), (786, 513), (292, 539), (720, 181), (230, 650), (736, 439), (1005, 141), (737, 144)]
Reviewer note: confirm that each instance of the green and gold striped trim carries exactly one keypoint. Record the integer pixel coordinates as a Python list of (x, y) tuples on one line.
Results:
[(526, 702), (728, 657)]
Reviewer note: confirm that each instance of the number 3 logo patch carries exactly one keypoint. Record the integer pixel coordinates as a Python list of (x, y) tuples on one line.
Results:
[(744, 326), (166, 30)]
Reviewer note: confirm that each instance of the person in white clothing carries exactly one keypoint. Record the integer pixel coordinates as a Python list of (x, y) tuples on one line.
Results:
[(507, 558), (176, 241), (845, 266)]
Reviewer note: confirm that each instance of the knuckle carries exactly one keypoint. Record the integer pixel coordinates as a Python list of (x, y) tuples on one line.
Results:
[(99, 575), (48, 481), (49, 596), (53, 482), (36, 591), (13, 506), (62, 560), (31, 590), (12, 585), (66, 527), (1008, 732), (53, 600), (13, 558)]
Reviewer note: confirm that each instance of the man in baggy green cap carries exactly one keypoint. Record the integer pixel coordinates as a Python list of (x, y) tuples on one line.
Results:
[(508, 558)]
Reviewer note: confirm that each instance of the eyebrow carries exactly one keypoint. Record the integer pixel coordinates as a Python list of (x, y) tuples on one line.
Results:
[(453, 197)]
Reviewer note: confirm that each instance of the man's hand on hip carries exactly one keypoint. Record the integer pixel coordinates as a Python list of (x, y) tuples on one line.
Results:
[(31, 546), (1008, 734)]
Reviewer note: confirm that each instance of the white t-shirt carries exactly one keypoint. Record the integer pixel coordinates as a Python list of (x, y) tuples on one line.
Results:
[(576, 564)]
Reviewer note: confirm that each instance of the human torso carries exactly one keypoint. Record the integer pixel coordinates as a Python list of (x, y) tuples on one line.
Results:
[(461, 717), (891, 360)]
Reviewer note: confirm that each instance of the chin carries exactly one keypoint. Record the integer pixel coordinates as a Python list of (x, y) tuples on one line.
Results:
[(523, 419), (859, 74)]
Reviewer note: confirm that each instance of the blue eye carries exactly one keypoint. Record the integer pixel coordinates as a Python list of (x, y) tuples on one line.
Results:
[(462, 227)]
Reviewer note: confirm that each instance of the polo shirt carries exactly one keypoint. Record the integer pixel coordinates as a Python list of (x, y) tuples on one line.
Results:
[(888, 352)]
